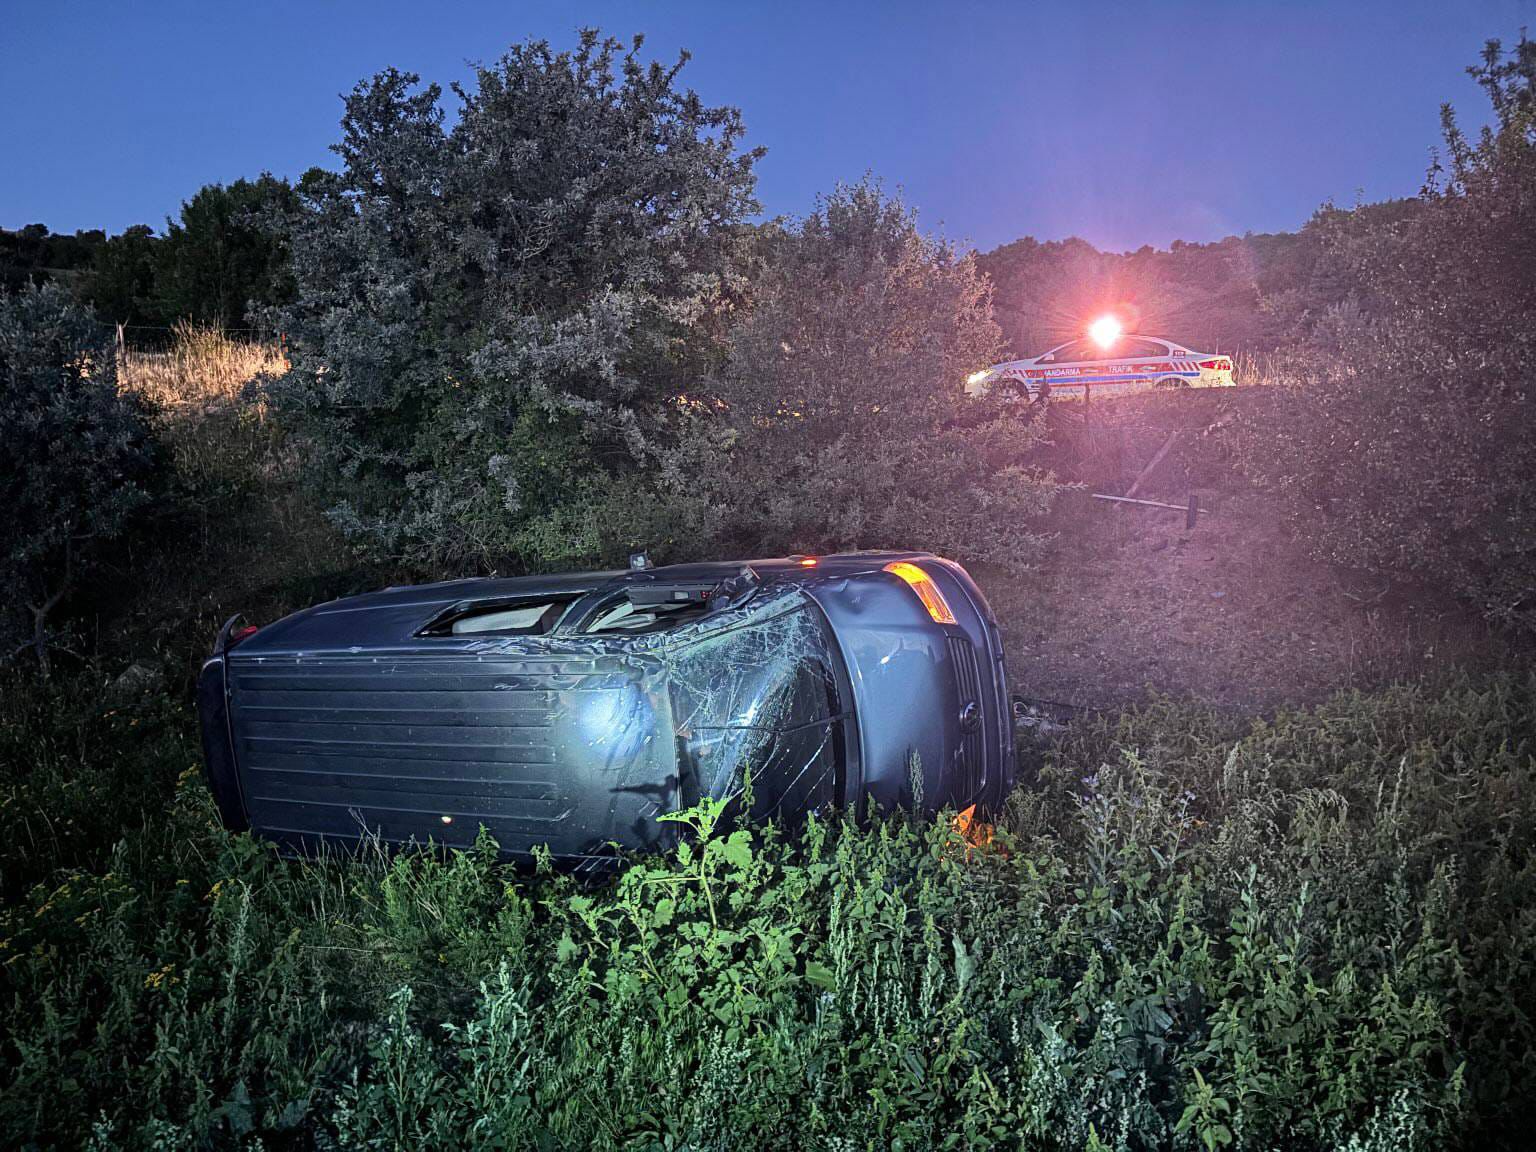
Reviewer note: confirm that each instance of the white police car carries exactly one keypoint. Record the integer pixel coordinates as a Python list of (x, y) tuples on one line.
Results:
[(1107, 361)]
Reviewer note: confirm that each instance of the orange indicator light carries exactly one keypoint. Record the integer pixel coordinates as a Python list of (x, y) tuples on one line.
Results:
[(927, 591)]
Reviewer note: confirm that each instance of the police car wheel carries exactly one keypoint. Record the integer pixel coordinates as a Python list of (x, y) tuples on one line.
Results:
[(1172, 382)]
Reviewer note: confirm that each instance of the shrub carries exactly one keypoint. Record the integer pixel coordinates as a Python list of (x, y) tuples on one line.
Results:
[(1196, 932), (493, 320), (1406, 438), (841, 397), (77, 459)]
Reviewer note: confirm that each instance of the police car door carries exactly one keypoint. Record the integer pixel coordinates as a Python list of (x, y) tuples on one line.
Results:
[(1142, 361), (1061, 369)]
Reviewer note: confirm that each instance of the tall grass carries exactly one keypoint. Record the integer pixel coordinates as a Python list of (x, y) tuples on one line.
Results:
[(214, 421), (1193, 932), (1254, 368), (232, 492), (203, 371)]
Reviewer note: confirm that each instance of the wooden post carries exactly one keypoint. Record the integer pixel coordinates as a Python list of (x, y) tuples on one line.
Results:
[(1152, 464), (1191, 510), (1089, 440)]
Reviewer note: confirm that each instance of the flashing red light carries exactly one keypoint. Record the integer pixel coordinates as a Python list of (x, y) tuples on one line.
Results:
[(1105, 331), (809, 561), (242, 632)]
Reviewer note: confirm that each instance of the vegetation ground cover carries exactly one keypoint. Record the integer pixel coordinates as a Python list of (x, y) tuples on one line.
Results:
[(1191, 931)]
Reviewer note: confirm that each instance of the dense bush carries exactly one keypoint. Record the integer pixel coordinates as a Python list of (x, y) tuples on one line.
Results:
[(1195, 932), (840, 398), (495, 320), (76, 456), (1405, 440), (224, 255)]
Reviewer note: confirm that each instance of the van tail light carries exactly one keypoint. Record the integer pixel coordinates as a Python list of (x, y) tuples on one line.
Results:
[(1221, 364), (927, 591)]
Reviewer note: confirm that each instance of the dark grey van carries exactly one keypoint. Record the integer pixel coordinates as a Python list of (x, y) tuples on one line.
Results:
[(571, 710)]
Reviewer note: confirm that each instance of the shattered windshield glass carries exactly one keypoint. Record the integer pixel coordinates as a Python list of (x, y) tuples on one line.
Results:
[(678, 714), (759, 696)]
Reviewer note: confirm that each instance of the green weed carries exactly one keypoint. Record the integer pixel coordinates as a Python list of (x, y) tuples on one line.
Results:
[(1195, 933)]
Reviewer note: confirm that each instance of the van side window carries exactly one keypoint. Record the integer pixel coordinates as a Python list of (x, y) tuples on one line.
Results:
[(646, 608), (516, 617)]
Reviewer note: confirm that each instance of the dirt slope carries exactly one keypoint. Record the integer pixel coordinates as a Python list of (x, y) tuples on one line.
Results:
[(1233, 612)]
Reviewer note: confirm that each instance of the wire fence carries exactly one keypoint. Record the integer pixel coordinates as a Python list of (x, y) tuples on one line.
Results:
[(160, 338)]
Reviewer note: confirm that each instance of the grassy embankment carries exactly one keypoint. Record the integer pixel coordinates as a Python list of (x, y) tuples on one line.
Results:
[(1194, 928), (1310, 931)]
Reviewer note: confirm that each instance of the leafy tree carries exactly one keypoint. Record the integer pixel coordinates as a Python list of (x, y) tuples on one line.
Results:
[(75, 453), (843, 395), (226, 254), (494, 320), (121, 285), (1408, 437)]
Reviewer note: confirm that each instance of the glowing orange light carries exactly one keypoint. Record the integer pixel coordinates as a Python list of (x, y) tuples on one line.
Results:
[(808, 561), (977, 834), (927, 591), (1105, 331)]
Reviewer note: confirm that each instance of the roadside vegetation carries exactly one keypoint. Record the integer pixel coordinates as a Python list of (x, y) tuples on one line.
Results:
[(1193, 928), (1194, 931)]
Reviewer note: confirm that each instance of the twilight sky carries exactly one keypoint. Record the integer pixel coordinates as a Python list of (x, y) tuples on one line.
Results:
[(1124, 123)]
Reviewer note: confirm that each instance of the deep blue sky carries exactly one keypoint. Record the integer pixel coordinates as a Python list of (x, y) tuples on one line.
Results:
[(1124, 123)]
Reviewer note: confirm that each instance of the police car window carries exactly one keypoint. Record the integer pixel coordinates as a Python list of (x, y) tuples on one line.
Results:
[(1091, 350), (1132, 349), (1126, 348), (1075, 351)]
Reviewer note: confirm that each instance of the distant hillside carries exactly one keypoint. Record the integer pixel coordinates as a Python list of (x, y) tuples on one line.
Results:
[(33, 255), (1244, 293), (207, 266)]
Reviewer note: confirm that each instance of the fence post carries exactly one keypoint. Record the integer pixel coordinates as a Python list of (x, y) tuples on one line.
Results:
[(1194, 510)]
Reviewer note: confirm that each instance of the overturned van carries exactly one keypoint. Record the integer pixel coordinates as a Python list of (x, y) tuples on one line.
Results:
[(570, 711)]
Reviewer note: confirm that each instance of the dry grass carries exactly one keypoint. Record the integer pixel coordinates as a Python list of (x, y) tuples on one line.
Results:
[(246, 536), (221, 435), (1253, 368), (205, 371)]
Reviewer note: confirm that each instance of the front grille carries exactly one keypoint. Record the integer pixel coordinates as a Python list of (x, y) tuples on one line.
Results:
[(962, 657)]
